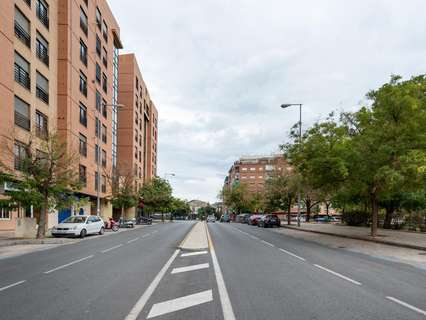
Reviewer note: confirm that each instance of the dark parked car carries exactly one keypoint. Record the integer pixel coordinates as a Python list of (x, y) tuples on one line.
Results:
[(269, 220), (225, 218), (127, 223), (144, 220), (254, 219)]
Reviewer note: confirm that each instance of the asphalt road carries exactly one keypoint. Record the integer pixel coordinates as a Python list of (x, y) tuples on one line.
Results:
[(140, 274)]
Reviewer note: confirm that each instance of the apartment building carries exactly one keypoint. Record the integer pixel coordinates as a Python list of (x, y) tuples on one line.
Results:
[(28, 86), (89, 40), (253, 171), (137, 126)]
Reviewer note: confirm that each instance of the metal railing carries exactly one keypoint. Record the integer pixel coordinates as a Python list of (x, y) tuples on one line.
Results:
[(28, 2), (22, 76), (22, 121), (43, 16), (42, 94), (22, 34), (42, 54), (83, 150), (41, 132), (83, 26)]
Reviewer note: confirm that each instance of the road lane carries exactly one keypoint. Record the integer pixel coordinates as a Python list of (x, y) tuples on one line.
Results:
[(103, 287), (264, 283)]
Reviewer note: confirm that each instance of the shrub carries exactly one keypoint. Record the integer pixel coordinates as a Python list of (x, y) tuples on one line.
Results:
[(355, 217)]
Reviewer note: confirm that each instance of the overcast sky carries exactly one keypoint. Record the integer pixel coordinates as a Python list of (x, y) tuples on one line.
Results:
[(218, 70)]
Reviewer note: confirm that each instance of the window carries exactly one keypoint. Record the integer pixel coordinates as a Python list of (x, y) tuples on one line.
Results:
[(98, 18), (82, 174), (98, 101), (98, 73), (22, 28), (136, 152), (137, 83), (96, 181), (83, 21), (5, 214), (19, 156), (83, 52), (83, 145), (97, 127), (97, 153), (136, 135), (104, 158), (140, 140), (104, 133), (104, 109), (136, 118), (22, 114), (105, 57), (140, 156), (22, 71), (42, 10), (104, 82), (42, 49), (83, 114), (41, 125), (83, 83), (42, 88), (105, 31), (103, 183), (28, 3), (98, 46)]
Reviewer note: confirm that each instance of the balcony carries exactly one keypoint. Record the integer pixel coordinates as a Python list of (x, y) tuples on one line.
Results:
[(105, 62), (19, 164), (43, 55), (103, 188), (22, 76), (104, 138), (83, 150), (104, 163), (83, 180), (42, 95), (22, 35), (22, 121), (83, 27), (28, 2), (43, 16)]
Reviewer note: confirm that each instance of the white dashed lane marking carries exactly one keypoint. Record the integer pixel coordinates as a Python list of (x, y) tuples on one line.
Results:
[(190, 254), (190, 268), (338, 274), (68, 264), (409, 306), (12, 285), (267, 243), (177, 304), (292, 254), (133, 240), (112, 248)]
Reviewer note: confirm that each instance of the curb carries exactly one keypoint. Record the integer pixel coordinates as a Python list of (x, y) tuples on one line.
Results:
[(391, 243), (182, 244)]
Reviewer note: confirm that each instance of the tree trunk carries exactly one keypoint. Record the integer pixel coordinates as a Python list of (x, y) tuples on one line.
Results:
[(41, 230), (375, 214), (308, 210), (388, 217), (122, 212), (289, 214), (327, 206)]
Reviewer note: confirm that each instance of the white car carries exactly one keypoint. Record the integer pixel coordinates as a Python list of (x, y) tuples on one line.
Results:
[(79, 226), (211, 218)]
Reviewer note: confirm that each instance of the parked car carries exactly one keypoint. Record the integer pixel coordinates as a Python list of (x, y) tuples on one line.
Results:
[(211, 218), (143, 220), (127, 223), (79, 226), (269, 220), (254, 218), (241, 218), (325, 219), (247, 218), (225, 218)]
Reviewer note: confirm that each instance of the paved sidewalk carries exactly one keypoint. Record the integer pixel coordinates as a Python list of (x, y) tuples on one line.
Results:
[(196, 239), (391, 237)]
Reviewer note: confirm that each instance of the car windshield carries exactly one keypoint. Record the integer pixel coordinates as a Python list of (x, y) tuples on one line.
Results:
[(75, 219)]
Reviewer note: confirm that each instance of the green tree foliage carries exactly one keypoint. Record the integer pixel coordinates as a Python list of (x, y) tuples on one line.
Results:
[(238, 199), (156, 195), (123, 191), (206, 211), (179, 207), (47, 179)]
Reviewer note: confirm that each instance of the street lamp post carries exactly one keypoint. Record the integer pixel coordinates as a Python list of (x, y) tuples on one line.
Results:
[(286, 105), (98, 160)]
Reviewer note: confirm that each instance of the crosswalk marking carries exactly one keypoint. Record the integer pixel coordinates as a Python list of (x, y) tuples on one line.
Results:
[(177, 304), (190, 254), (190, 268)]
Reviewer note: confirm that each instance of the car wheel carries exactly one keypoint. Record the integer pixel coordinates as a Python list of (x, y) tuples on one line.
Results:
[(101, 232), (83, 233)]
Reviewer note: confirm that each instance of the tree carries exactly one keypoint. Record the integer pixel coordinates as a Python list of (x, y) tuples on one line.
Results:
[(237, 198), (179, 207), (123, 191), (156, 195), (206, 211), (47, 178)]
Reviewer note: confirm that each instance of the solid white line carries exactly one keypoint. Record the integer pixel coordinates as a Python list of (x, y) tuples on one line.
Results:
[(68, 264), (292, 254), (155, 231), (190, 268), (185, 302), (409, 306), (254, 237), (338, 275), (12, 285), (145, 235), (133, 240), (112, 248), (190, 254), (267, 243), (228, 312), (140, 304)]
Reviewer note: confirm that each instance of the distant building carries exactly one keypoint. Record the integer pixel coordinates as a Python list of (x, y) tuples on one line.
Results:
[(197, 204)]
